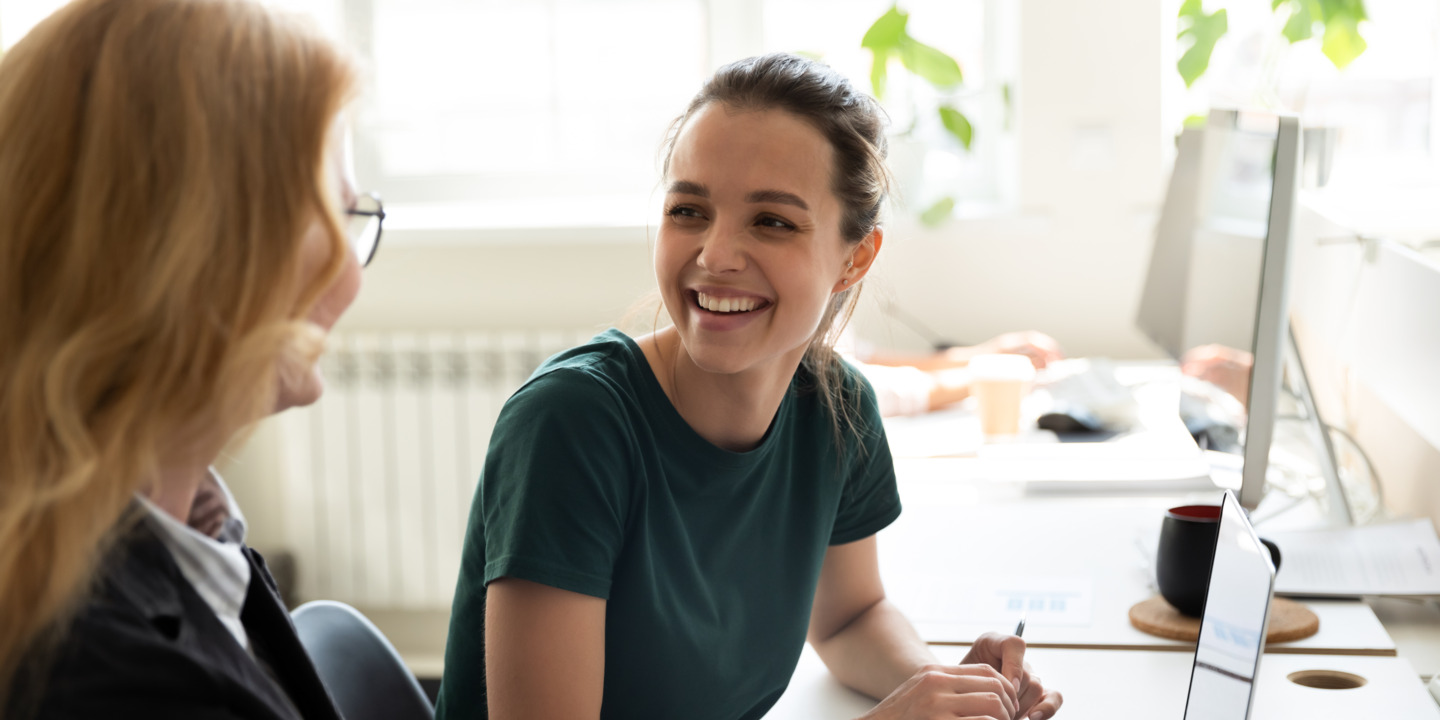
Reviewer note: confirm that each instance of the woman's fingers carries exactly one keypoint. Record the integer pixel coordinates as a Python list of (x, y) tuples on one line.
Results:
[(1031, 697), (1005, 653), (952, 691), (1047, 707), (1039, 703), (973, 684)]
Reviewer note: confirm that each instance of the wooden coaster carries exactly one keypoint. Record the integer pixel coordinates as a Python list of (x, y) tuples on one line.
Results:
[(1289, 620)]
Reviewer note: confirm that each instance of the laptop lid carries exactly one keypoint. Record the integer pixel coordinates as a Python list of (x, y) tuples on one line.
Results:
[(1232, 629)]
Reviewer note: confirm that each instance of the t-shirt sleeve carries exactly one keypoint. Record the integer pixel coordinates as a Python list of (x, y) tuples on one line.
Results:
[(870, 500), (555, 489)]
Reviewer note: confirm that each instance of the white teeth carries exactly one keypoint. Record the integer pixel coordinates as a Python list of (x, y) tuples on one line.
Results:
[(726, 305)]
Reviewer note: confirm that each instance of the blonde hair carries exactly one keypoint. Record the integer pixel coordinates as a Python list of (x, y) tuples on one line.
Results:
[(160, 162)]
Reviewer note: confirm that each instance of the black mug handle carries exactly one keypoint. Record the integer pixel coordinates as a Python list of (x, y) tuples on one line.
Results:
[(1274, 552)]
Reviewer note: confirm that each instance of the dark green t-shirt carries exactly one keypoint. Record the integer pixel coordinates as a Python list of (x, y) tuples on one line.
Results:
[(708, 558)]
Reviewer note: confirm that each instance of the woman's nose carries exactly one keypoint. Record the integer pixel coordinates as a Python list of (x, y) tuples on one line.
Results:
[(723, 251)]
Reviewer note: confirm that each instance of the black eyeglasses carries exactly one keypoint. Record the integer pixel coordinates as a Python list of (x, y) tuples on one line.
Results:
[(363, 230)]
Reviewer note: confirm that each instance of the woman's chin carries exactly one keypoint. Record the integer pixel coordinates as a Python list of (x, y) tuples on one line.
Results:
[(300, 391)]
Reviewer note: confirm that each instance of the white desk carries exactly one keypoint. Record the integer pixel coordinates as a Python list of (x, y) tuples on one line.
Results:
[(1415, 628), (1120, 685), (962, 529), (960, 537)]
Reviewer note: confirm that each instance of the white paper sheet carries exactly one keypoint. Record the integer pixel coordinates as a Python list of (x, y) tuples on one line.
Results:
[(1000, 601), (1401, 558)]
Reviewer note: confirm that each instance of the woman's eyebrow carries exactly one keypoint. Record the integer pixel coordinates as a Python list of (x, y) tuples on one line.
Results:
[(777, 196), (686, 187)]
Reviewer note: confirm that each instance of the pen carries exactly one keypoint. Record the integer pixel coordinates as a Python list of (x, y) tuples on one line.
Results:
[(1020, 629)]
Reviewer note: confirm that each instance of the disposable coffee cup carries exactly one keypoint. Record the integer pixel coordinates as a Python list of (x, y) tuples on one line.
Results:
[(999, 383)]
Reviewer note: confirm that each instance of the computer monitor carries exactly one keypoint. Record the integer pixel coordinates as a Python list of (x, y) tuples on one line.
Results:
[(1162, 303), (1216, 289)]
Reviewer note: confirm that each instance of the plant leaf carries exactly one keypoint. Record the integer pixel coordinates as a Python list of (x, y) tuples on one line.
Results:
[(884, 35), (957, 124), (1342, 43), (1301, 24), (1331, 9), (1195, 121), (883, 40), (934, 66), (1203, 31), (939, 212), (878, 71)]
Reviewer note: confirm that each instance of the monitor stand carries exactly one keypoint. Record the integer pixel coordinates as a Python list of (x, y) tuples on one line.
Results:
[(1338, 506)]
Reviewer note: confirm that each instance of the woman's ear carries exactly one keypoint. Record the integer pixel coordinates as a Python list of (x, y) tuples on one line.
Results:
[(861, 259)]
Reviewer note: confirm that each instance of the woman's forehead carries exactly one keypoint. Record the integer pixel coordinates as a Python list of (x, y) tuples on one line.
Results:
[(746, 150)]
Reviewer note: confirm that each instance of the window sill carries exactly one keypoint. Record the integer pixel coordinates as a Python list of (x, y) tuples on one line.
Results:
[(531, 221), (596, 221)]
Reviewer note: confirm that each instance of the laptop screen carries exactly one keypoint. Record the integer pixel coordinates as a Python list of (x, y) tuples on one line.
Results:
[(1232, 630)]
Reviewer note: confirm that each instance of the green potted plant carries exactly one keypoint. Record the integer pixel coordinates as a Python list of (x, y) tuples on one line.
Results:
[(1336, 23), (888, 39)]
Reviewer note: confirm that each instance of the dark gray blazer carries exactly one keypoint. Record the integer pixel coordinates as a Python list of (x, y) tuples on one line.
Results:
[(145, 645)]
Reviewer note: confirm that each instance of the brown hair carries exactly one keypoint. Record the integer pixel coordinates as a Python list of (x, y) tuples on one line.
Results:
[(160, 162), (854, 125)]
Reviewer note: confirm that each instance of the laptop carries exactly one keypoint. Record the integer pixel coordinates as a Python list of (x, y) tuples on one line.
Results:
[(1232, 629)]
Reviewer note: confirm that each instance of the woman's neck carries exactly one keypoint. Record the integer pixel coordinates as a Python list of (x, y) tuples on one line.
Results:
[(178, 481), (733, 410)]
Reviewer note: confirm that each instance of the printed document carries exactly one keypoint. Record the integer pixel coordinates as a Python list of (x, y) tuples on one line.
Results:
[(1398, 558)]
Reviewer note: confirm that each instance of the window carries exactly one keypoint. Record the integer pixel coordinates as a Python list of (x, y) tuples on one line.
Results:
[(553, 112), (481, 113), (561, 101), (1384, 104)]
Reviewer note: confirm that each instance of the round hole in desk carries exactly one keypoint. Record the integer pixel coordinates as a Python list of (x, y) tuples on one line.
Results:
[(1327, 679)]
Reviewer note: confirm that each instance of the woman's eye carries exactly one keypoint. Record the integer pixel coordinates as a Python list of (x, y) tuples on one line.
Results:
[(683, 211), (770, 221)]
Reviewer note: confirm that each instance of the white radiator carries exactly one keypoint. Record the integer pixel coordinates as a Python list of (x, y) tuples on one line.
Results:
[(382, 470)]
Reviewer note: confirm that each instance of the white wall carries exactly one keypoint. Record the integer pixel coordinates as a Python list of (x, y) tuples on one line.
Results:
[(1093, 162), (1327, 271)]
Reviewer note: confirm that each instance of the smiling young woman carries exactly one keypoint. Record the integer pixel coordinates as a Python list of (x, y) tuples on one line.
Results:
[(663, 522)]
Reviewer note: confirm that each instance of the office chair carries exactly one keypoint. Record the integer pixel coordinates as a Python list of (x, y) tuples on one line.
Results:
[(359, 666)]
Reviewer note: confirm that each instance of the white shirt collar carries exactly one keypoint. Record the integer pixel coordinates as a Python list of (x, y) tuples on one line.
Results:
[(216, 568)]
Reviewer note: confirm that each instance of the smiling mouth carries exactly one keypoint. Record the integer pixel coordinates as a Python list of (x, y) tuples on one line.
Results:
[(728, 306)]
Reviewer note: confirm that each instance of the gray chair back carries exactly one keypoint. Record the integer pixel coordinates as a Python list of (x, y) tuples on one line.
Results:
[(359, 666)]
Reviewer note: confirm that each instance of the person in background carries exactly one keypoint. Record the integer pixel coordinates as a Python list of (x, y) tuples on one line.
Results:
[(1224, 367), (663, 522), (915, 383), (178, 232)]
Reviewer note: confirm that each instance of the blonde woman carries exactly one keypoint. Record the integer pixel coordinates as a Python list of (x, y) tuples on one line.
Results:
[(177, 233)]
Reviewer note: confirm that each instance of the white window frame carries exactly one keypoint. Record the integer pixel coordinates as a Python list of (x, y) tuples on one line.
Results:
[(734, 29)]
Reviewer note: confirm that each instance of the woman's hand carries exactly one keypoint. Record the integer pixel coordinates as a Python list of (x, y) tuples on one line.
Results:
[(1225, 367), (1006, 653), (950, 691), (1039, 347)]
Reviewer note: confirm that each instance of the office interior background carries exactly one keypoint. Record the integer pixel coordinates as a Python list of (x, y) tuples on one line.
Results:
[(516, 147)]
